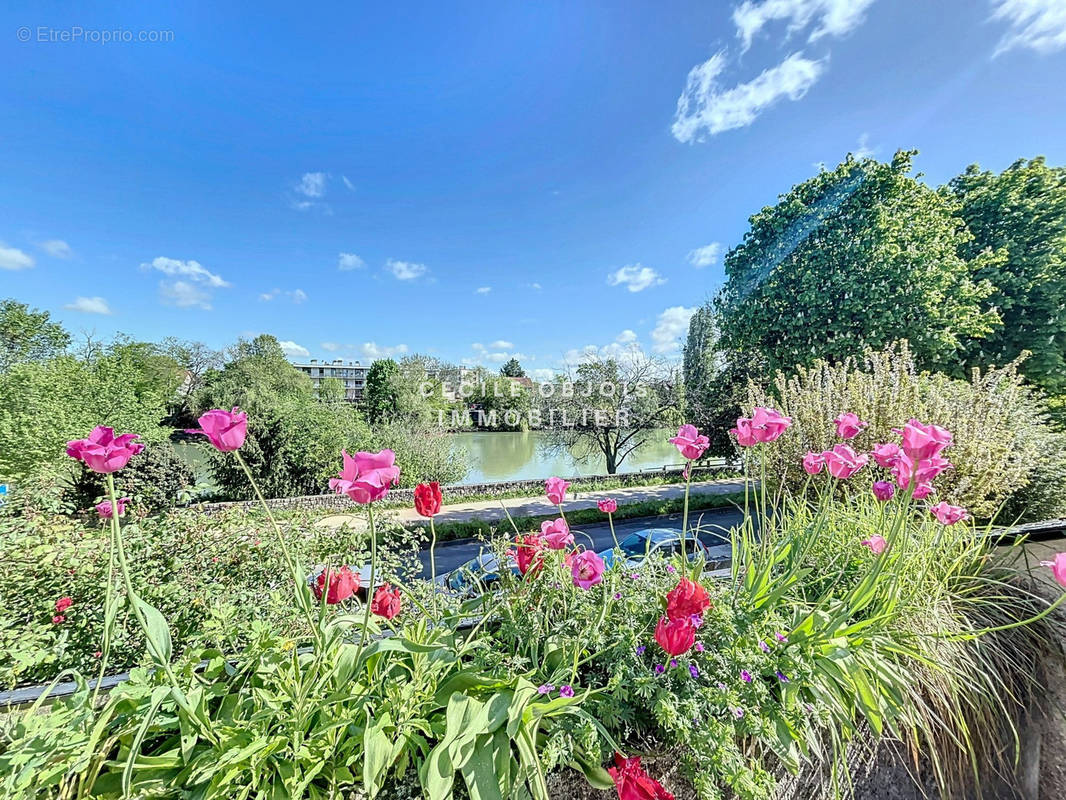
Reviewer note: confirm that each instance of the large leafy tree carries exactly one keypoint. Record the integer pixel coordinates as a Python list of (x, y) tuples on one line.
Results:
[(380, 394), (257, 377), (857, 256), (513, 369), (1021, 215), (28, 334)]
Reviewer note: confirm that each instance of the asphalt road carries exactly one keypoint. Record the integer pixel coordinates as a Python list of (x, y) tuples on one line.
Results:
[(714, 525)]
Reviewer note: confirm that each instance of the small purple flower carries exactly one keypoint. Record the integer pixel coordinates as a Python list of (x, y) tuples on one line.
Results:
[(764, 647), (635, 576), (670, 568), (693, 670), (641, 649), (722, 687), (659, 669), (738, 713), (699, 647), (781, 637), (696, 621), (545, 688), (782, 677), (617, 595), (673, 663), (745, 676), (566, 691)]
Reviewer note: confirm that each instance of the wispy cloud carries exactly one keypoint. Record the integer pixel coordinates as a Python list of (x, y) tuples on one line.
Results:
[(831, 17), (184, 295), (312, 184), (346, 261), (624, 349), (293, 350), (295, 295), (89, 305), (705, 256), (1039, 25), (57, 248), (670, 327), (405, 270), (495, 353), (483, 290), (372, 350), (348, 183), (12, 258), (186, 269), (706, 108), (635, 277), (331, 347), (501, 344), (863, 149)]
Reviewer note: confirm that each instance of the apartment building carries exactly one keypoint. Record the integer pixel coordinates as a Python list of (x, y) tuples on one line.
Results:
[(350, 373)]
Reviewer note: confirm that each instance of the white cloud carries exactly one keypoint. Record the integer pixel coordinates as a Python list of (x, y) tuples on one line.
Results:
[(863, 150), (331, 347), (670, 327), (501, 344), (89, 305), (186, 269), (405, 270), (704, 107), (348, 183), (705, 256), (293, 350), (833, 17), (296, 295), (371, 350), (483, 290), (627, 336), (1039, 25), (347, 261), (312, 184), (635, 277), (57, 248), (535, 286), (184, 295), (541, 374), (11, 258), (624, 349), (495, 353)]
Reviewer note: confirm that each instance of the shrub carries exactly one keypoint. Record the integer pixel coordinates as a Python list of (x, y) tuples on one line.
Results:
[(155, 480), (1003, 442)]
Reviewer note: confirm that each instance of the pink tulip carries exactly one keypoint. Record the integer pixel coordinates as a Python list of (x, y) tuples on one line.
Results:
[(922, 491), (556, 488), (366, 477), (843, 462), (225, 429), (608, 505), (556, 534), (849, 425), (587, 569), (690, 443), (886, 455), (883, 491), (877, 544), (1058, 567), (813, 463), (745, 435), (767, 424), (103, 508), (947, 514), (923, 472), (923, 441), (103, 451)]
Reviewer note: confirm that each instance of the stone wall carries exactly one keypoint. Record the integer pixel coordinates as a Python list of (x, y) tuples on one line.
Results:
[(454, 493)]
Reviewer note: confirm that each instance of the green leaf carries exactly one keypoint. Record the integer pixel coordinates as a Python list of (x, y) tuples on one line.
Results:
[(158, 632)]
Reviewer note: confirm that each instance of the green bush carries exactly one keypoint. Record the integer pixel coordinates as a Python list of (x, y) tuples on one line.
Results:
[(1004, 449), (156, 479)]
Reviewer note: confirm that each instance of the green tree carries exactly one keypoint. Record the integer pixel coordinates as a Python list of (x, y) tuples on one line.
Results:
[(331, 390), (28, 334), (380, 395), (856, 257), (512, 369), (257, 377), (1021, 215)]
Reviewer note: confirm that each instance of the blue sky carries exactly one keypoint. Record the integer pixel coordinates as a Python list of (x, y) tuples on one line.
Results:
[(472, 180)]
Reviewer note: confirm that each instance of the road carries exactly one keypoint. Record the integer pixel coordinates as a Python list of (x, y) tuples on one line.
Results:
[(714, 530)]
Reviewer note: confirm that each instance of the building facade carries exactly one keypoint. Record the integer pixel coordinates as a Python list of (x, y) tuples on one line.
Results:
[(351, 374)]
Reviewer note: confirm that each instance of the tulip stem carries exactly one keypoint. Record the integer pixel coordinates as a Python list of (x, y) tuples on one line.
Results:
[(433, 563), (610, 521), (684, 515), (373, 576), (105, 647)]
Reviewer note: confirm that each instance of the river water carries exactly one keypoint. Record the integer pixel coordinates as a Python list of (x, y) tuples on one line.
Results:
[(509, 456)]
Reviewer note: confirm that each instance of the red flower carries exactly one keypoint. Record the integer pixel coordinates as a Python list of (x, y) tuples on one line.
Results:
[(633, 783), (58, 619), (62, 604), (342, 585), (686, 600), (386, 602), (428, 499), (529, 553), (675, 636)]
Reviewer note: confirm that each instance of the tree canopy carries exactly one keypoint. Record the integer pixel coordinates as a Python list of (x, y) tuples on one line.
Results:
[(512, 369), (28, 334)]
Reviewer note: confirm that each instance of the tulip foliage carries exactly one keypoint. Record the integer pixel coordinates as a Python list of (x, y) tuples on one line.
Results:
[(830, 622)]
